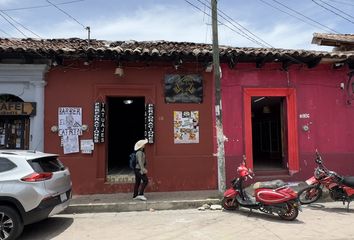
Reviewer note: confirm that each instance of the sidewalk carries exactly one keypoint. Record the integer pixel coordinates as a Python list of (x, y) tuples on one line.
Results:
[(123, 202)]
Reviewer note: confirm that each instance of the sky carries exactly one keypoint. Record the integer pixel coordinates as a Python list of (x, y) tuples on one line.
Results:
[(288, 24)]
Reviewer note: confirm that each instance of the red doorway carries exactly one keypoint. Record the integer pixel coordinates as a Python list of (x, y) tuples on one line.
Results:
[(291, 160)]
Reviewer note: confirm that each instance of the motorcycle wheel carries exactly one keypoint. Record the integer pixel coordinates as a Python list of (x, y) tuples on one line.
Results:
[(309, 194), (229, 203), (290, 214)]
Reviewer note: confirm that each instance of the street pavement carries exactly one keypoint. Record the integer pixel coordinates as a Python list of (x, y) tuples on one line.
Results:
[(325, 221)]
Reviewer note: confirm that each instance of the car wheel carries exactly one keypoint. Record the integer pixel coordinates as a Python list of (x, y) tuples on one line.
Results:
[(11, 225)]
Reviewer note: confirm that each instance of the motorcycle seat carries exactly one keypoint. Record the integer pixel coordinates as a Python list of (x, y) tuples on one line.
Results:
[(269, 184), (349, 181)]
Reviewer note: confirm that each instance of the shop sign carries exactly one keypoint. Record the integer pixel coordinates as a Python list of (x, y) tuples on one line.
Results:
[(183, 88), (18, 108), (149, 123), (99, 122)]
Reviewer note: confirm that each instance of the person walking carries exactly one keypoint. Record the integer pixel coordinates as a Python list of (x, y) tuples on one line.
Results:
[(141, 179)]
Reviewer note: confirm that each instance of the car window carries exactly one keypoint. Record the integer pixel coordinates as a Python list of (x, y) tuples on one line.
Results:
[(6, 164), (46, 164)]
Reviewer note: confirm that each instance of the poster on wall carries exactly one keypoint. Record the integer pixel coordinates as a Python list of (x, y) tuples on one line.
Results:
[(70, 144), (183, 88), (69, 121), (186, 127), (87, 146)]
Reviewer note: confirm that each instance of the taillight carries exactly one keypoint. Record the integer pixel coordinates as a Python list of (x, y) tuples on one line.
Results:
[(37, 177)]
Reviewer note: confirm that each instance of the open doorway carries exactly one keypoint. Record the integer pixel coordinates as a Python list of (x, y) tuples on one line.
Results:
[(126, 121), (268, 146)]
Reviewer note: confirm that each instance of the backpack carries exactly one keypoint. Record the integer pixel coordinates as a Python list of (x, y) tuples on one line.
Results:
[(132, 160)]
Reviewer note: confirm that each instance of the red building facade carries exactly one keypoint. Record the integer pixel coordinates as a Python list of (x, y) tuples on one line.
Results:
[(278, 117), (278, 106), (171, 166)]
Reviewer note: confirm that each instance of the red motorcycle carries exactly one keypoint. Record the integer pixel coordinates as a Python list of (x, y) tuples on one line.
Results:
[(340, 188), (270, 197)]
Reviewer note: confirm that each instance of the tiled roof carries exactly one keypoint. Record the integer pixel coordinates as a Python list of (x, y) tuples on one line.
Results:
[(331, 39), (75, 47), (343, 38)]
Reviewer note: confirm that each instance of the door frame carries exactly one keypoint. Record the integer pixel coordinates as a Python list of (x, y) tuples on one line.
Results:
[(292, 137)]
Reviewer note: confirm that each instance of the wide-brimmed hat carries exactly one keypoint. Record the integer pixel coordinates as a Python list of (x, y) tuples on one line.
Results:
[(139, 144)]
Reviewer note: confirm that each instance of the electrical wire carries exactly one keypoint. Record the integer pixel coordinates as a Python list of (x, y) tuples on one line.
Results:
[(227, 18), (67, 14), (246, 36), (339, 15), (3, 16), (341, 2), (40, 6), (294, 16), (5, 33), (232, 29), (308, 18), (20, 24)]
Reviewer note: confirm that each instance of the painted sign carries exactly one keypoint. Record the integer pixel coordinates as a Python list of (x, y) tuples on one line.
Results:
[(183, 88), (18, 108), (149, 123), (99, 122), (186, 127)]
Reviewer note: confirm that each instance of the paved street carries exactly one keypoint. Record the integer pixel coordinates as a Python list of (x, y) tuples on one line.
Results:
[(321, 221)]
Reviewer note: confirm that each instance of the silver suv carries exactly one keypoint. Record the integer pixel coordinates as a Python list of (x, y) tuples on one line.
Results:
[(33, 186)]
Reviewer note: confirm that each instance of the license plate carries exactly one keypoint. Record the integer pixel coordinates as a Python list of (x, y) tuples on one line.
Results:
[(311, 181), (63, 197)]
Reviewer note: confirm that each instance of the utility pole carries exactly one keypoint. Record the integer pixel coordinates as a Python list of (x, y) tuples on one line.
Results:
[(218, 107)]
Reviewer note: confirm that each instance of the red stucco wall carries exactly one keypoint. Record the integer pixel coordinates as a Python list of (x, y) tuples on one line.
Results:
[(318, 93), (172, 167)]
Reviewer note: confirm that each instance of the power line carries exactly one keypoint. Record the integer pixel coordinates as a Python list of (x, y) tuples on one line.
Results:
[(20, 24), (5, 33), (246, 36), (294, 16), (299, 13), (233, 22), (2, 15), (40, 6), (232, 29), (341, 2), (67, 14), (324, 7)]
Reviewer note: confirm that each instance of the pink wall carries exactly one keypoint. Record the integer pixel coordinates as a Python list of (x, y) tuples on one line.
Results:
[(318, 92)]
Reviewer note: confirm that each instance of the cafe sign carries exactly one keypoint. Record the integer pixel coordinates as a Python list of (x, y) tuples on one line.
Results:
[(18, 108)]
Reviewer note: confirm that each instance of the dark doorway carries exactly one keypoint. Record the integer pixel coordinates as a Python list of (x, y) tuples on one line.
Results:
[(268, 132), (126, 121)]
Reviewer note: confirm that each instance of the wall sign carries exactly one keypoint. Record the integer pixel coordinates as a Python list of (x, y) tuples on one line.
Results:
[(99, 122), (183, 88), (18, 108), (149, 123), (186, 126)]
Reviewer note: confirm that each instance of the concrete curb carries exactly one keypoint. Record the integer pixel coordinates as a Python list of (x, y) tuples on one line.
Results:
[(137, 206)]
